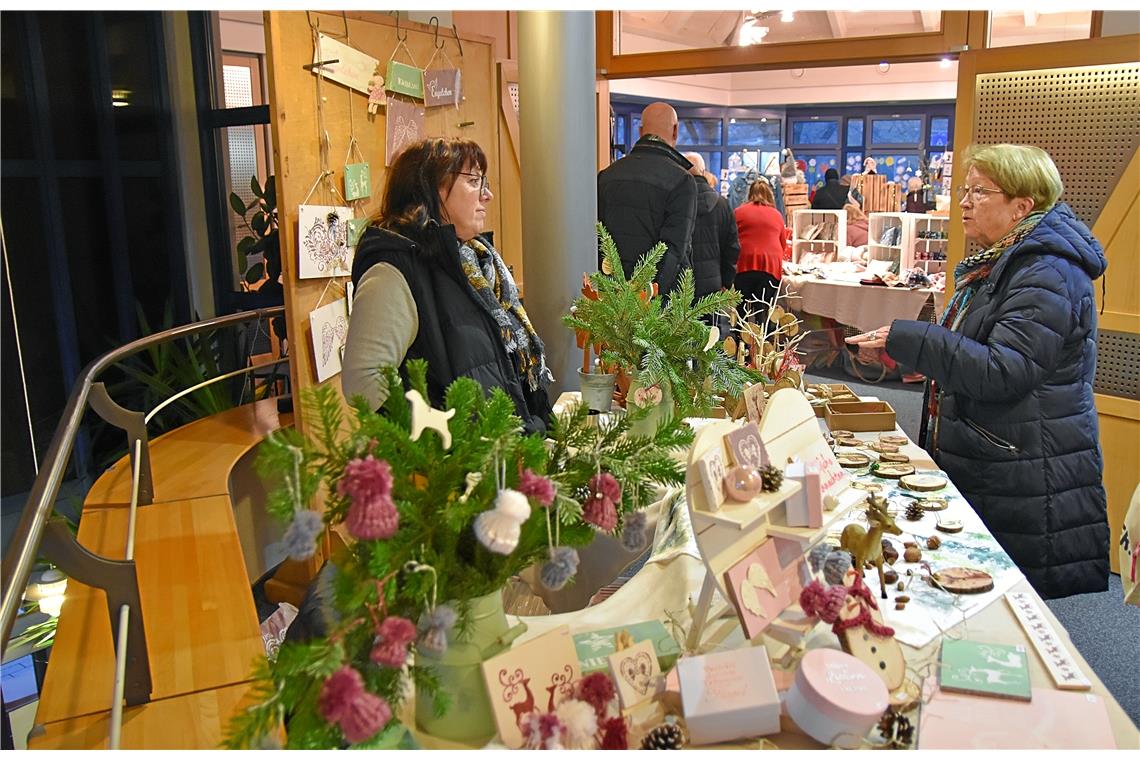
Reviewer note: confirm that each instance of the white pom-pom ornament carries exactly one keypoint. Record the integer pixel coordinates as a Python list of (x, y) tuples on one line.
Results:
[(498, 528)]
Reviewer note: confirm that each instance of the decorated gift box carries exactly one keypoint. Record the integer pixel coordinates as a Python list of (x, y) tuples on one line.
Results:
[(835, 698), (729, 695), (805, 509), (595, 647)]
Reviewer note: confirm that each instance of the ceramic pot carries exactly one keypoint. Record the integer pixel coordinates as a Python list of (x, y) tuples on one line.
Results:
[(660, 407), (469, 719), (597, 390)]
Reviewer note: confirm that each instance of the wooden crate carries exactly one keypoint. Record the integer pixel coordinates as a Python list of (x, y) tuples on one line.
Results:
[(795, 198), (878, 193)]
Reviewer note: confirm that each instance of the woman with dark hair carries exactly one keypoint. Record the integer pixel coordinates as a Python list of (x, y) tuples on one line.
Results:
[(429, 284), (762, 241)]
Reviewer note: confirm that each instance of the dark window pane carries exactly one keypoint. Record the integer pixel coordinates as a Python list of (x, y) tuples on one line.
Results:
[(619, 130), (150, 263), (854, 163), (896, 131), (854, 131), (699, 132), (897, 167), (17, 132), (66, 45), (817, 164), (635, 123), (712, 161), (754, 132), (134, 76), (939, 131), (88, 251), (815, 132), (35, 314)]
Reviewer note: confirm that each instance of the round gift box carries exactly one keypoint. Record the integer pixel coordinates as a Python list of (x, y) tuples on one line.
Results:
[(835, 698)]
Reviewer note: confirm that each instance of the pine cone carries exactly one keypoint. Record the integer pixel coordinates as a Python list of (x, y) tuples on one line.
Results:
[(772, 477), (665, 736), (896, 729), (914, 511)]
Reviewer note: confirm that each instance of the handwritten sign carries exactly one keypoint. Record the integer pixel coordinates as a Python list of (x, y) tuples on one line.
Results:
[(405, 79), (405, 126), (441, 87), (352, 68)]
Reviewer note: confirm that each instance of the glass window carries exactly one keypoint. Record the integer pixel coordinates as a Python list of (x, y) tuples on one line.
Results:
[(1029, 27), (853, 163), (939, 131), (635, 125), (854, 131), (817, 164), (897, 167), (619, 130), (896, 131), (699, 132), (712, 161), (754, 132), (815, 132)]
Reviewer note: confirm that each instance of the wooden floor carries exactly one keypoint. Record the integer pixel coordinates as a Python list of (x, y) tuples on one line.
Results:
[(201, 623)]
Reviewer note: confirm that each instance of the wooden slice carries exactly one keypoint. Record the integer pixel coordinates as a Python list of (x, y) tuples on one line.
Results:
[(853, 459), (884, 448), (842, 434), (923, 482), (894, 470), (849, 442), (932, 503), (868, 487), (895, 438), (888, 456), (949, 526), (963, 580)]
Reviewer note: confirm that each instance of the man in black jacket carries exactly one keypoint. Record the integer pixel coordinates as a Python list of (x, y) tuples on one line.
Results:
[(832, 195), (649, 196), (716, 244)]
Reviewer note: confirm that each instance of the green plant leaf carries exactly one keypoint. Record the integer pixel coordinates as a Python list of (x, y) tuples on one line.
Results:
[(245, 244), (255, 273), (237, 204), (255, 186)]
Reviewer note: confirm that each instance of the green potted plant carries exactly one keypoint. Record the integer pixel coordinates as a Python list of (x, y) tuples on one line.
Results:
[(672, 358), (440, 520), (260, 218)]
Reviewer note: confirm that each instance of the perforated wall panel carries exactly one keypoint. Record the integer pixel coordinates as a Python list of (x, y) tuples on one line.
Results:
[(1087, 119), (1117, 364)]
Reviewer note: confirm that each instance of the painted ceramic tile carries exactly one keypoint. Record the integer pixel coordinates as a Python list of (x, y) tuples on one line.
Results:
[(405, 79), (754, 402), (636, 673), (329, 325), (997, 670), (535, 675), (441, 87), (712, 469), (760, 589), (405, 125), (746, 446), (323, 241), (357, 181)]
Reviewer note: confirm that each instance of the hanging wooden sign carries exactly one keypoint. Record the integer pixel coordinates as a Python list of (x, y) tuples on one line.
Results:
[(352, 68), (405, 126), (405, 80), (357, 181), (441, 87)]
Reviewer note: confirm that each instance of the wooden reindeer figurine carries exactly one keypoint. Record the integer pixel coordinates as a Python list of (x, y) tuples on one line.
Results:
[(866, 545)]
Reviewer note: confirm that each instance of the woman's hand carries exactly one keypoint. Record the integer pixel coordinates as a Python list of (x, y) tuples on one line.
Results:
[(870, 343)]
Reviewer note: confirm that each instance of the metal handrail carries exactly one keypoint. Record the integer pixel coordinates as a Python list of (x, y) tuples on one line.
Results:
[(25, 542)]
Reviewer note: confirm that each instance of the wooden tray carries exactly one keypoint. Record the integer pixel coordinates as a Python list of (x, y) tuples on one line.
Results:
[(860, 416)]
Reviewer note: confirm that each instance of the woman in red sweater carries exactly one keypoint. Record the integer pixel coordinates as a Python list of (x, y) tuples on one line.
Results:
[(762, 241)]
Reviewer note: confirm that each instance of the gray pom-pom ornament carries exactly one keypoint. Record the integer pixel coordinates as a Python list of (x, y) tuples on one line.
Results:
[(433, 626), (561, 567), (818, 555), (634, 533), (836, 566), (301, 535)]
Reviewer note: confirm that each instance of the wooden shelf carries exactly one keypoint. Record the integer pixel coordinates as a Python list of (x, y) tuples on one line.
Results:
[(745, 515)]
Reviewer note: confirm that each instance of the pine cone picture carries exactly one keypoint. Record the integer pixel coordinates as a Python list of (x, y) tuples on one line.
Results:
[(665, 736), (772, 477)]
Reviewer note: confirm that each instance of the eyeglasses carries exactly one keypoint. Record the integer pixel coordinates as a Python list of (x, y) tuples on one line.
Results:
[(977, 192), (477, 180)]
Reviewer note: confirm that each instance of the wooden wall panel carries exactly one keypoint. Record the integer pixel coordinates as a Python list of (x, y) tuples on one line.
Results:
[(289, 46)]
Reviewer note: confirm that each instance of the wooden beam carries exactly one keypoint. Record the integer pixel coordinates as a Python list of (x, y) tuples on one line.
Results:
[(604, 40), (1096, 24), (1107, 50), (837, 24), (931, 20), (978, 30)]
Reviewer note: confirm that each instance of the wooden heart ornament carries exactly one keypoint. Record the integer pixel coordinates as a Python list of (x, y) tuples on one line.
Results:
[(637, 669)]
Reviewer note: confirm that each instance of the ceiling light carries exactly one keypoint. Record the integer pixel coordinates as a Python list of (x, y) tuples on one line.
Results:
[(732, 121), (796, 73), (945, 63), (763, 119), (884, 67), (787, 16)]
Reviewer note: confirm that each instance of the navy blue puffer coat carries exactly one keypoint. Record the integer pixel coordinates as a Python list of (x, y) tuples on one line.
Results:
[(1017, 428)]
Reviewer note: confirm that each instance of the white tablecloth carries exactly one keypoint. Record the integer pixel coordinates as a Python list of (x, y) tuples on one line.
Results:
[(865, 307)]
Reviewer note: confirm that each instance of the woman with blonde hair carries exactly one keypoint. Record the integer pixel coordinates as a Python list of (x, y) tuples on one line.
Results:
[(856, 225), (1011, 365), (762, 241)]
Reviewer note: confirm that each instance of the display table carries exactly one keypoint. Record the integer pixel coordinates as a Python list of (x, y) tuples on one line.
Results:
[(667, 586), (865, 307)]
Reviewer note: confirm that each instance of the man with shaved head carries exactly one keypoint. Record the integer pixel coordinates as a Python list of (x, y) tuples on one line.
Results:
[(649, 196)]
